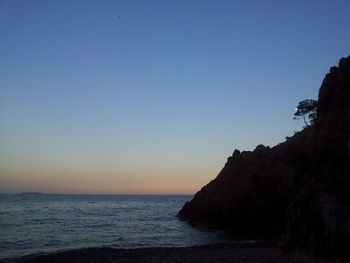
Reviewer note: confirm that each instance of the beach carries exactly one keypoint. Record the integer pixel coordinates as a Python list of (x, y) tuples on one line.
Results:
[(237, 253)]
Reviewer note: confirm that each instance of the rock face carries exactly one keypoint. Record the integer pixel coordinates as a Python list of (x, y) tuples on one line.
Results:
[(299, 189), (319, 223)]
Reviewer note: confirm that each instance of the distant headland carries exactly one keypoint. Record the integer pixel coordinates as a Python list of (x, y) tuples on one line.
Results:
[(32, 193)]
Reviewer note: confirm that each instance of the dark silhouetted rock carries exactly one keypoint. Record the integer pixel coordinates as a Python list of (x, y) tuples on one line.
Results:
[(319, 223), (265, 192)]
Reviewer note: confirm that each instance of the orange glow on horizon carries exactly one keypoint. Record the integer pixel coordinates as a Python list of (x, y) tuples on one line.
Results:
[(94, 182)]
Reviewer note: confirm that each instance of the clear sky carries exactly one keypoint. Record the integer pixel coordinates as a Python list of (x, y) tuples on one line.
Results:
[(151, 97)]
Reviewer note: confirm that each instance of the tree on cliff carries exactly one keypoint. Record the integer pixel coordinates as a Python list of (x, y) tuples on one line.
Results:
[(306, 110)]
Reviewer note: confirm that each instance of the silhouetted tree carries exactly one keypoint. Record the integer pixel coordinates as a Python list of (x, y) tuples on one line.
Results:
[(306, 110)]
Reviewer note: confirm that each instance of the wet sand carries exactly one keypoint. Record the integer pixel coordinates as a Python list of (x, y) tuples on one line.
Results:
[(238, 253)]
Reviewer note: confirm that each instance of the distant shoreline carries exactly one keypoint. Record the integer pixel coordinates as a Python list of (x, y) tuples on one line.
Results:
[(32, 193), (224, 252)]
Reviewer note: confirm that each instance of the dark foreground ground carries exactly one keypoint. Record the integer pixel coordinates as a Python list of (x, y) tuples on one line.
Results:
[(238, 253)]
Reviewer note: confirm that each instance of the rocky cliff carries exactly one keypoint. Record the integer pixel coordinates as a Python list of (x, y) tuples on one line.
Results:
[(299, 189)]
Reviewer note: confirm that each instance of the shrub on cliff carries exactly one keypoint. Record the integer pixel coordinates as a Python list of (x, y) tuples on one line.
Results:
[(306, 110)]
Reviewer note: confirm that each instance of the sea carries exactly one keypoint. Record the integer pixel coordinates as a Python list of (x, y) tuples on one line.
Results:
[(45, 223)]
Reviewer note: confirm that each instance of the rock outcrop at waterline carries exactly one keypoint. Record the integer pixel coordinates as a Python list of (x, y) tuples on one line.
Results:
[(299, 189)]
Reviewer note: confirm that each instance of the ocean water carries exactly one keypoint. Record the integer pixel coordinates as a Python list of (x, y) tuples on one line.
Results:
[(41, 223)]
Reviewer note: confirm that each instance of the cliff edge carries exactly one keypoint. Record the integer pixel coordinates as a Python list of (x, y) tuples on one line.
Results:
[(298, 190)]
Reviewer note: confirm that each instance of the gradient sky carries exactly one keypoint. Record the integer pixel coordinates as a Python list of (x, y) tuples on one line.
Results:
[(151, 97)]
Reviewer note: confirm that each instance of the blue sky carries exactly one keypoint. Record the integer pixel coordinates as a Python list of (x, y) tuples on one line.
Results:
[(152, 96)]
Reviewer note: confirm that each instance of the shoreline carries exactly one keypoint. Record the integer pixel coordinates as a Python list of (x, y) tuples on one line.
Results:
[(222, 252)]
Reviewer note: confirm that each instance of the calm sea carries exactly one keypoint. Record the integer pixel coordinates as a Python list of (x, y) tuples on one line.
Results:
[(40, 223)]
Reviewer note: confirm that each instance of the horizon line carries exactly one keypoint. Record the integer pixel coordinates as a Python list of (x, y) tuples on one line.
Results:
[(127, 194)]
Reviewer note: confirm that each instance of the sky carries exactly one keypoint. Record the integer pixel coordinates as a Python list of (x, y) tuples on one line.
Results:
[(151, 97)]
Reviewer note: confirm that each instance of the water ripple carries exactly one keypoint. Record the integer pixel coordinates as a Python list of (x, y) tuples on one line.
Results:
[(45, 223)]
